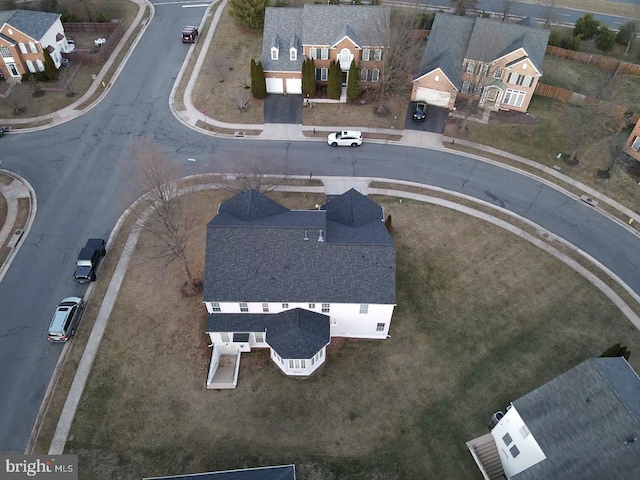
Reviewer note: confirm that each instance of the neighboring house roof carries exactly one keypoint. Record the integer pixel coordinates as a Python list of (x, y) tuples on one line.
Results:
[(295, 333), (34, 24), (318, 25), (454, 38), (587, 422), (268, 253), (283, 472)]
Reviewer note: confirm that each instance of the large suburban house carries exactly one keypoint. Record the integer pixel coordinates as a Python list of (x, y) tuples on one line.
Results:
[(498, 61), (323, 33), (632, 146), (24, 35), (289, 280), (584, 424)]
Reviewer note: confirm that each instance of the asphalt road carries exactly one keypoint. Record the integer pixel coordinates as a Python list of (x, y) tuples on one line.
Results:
[(82, 174)]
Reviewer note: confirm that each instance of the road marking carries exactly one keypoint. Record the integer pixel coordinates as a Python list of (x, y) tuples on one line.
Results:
[(192, 6), (178, 3)]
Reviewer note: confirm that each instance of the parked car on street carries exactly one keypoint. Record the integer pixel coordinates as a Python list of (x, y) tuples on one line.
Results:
[(346, 138), (4, 130), (189, 34), (65, 320), (88, 260), (419, 111)]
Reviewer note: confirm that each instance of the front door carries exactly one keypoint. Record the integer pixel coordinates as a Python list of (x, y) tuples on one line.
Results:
[(13, 69), (344, 78)]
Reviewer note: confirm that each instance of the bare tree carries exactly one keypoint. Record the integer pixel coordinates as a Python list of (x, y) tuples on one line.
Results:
[(170, 224), (460, 7), (241, 99), (549, 12), (251, 173), (401, 52), (222, 65), (507, 6)]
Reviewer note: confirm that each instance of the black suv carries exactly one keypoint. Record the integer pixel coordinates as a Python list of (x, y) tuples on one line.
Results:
[(419, 111), (88, 260), (189, 34)]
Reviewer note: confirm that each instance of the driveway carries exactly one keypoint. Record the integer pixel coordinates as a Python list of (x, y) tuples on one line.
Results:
[(283, 109), (434, 123)]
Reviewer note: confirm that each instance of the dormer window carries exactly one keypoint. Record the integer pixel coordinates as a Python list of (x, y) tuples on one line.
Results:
[(293, 54), (274, 53)]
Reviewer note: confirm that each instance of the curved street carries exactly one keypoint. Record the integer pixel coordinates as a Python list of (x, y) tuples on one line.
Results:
[(81, 172)]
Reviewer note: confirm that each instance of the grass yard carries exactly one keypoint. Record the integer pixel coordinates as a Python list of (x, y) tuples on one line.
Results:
[(226, 73), (543, 141), (481, 319)]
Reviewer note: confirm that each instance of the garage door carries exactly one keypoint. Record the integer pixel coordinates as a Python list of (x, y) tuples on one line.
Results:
[(274, 85), (433, 97), (294, 85)]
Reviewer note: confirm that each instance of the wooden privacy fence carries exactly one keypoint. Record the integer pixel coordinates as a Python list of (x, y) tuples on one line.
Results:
[(568, 96), (112, 31), (599, 61)]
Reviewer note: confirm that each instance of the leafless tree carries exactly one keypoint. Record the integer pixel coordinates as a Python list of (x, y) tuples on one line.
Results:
[(170, 224), (241, 99), (507, 6), (460, 7), (401, 52), (550, 7), (251, 173), (222, 66)]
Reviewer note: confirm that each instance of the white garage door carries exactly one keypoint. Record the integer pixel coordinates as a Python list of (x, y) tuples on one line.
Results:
[(274, 85), (294, 85), (433, 97)]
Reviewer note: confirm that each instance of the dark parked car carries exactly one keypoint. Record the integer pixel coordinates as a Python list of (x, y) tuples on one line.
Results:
[(88, 260), (189, 34), (4, 130), (419, 111)]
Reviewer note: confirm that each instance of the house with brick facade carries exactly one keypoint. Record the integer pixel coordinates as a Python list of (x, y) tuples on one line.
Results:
[(323, 33), (632, 146), (496, 61), (24, 36)]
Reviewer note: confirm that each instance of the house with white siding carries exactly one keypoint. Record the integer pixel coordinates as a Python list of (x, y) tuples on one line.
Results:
[(583, 424), (290, 280)]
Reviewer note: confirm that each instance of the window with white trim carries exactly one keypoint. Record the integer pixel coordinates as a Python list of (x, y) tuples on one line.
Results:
[(313, 53), (259, 337), (31, 67), (265, 308), (321, 74), (507, 439), (333, 321), (466, 86), (514, 451), (33, 48), (364, 74), (517, 79), (5, 52), (380, 327), (297, 364), (498, 74), (215, 307), (364, 56), (471, 67), (375, 75), (524, 431), (364, 308), (40, 65), (312, 306), (484, 70), (278, 357), (324, 53), (23, 48), (377, 54), (326, 308), (514, 98), (316, 357), (224, 336), (635, 145), (293, 54), (244, 307), (285, 305), (274, 53)]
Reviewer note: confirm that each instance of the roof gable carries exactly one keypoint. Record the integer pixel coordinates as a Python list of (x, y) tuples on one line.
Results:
[(31, 23), (583, 421), (352, 209), (251, 205)]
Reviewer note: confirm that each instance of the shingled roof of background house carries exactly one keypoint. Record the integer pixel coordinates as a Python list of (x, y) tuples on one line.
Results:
[(32, 23), (267, 253), (282, 29), (587, 423)]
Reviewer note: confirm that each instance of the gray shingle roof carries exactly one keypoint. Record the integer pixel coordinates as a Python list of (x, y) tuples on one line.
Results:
[(454, 38), (268, 259), (293, 334), (34, 24), (319, 25), (582, 419), (283, 472)]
